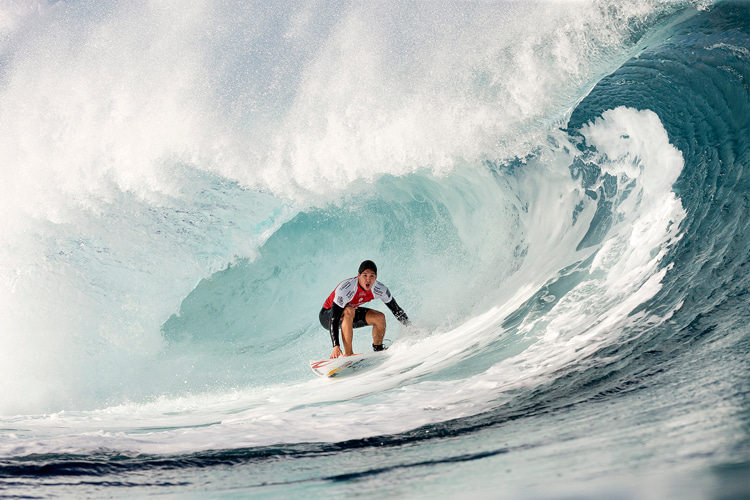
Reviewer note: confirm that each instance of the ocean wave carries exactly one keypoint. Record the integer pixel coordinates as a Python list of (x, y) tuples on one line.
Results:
[(560, 209)]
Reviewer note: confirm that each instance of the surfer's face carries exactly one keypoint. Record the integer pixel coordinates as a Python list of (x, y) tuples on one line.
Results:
[(367, 279)]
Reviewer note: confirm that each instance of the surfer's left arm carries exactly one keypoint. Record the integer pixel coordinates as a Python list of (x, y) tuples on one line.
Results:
[(398, 312)]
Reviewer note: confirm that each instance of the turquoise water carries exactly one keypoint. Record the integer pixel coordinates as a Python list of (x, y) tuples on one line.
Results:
[(557, 198)]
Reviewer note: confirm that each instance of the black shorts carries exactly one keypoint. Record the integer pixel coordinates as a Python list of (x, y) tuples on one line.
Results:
[(359, 317)]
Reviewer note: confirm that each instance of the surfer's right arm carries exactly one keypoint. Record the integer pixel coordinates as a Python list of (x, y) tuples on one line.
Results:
[(336, 312)]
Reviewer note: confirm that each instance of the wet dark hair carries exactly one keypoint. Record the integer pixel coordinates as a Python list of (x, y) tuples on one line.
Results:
[(368, 264)]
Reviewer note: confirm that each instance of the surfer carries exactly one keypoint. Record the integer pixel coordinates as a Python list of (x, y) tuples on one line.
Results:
[(342, 310)]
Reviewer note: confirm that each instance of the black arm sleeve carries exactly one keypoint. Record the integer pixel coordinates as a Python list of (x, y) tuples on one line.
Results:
[(398, 312), (336, 311)]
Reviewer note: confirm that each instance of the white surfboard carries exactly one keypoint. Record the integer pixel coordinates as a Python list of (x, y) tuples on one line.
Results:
[(346, 365)]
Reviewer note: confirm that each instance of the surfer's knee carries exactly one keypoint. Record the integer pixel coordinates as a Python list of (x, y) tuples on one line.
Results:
[(375, 318)]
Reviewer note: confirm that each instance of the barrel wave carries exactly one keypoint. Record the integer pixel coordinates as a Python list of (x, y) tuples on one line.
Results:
[(557, 197)]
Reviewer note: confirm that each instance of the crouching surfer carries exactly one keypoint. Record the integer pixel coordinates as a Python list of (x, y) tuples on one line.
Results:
[(342, 310)]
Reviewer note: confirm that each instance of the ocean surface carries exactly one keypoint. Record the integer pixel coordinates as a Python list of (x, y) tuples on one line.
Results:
[(557, 193)]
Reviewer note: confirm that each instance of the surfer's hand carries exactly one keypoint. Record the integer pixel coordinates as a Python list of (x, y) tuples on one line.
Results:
[(336, 353)]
